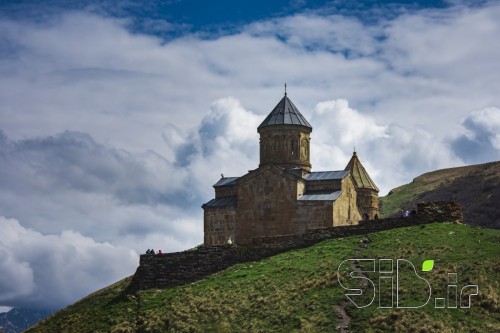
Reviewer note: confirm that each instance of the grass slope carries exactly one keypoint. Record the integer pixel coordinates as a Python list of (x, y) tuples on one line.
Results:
[(297, 291), (476, 187)]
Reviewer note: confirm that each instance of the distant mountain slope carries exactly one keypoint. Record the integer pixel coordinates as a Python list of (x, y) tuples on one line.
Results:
[(298, 291), (475, 187), (17, 320)]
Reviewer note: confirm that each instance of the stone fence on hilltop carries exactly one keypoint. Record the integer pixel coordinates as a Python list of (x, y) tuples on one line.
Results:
[(172, 269)]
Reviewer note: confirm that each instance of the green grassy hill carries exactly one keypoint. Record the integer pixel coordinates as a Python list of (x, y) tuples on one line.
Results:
[(476, 187), (298, 291)]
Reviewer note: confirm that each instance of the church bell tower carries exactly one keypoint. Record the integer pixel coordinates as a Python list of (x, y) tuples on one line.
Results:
[(285, 137)]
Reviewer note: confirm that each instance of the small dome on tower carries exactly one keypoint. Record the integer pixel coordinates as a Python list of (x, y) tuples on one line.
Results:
[(285, 113), (359, 174), (285, 137)]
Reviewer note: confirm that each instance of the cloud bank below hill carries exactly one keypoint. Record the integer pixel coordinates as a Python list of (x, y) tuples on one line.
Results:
[(50, 271)]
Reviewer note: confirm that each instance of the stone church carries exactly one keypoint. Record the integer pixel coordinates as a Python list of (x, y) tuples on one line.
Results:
[(283, 196)]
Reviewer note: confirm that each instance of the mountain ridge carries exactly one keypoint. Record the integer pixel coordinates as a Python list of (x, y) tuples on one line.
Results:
[(475, 187), (17, 320)]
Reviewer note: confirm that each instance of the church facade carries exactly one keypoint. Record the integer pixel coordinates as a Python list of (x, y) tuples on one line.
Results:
[(283, 196)]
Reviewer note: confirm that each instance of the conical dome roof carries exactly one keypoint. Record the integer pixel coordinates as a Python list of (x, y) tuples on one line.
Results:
[(359, 174), (285, 113)]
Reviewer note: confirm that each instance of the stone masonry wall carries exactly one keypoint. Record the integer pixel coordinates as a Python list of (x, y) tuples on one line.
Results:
[(345, 210), (266, 204), (219, 225), (171, 269)]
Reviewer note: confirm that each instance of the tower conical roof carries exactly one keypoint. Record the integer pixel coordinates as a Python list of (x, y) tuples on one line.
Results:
[(285, 113), (359, 174)]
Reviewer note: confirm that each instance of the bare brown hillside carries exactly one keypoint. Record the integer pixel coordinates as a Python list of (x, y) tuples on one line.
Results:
[(475, 187)]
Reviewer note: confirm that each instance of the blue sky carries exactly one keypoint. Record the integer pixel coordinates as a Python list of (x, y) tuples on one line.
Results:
[(203, 15), (116, 118)]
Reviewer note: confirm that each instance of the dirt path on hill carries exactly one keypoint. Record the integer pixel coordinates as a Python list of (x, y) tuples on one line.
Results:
[(343, 319)]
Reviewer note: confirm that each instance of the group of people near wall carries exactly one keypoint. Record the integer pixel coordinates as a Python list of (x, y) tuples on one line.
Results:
[(152, 251), (407, 213)]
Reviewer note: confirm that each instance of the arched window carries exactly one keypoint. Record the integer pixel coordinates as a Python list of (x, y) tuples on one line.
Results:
[(304, 149)]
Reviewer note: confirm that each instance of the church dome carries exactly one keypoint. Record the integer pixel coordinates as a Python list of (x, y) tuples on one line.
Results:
[(360, 176), (285, 113)]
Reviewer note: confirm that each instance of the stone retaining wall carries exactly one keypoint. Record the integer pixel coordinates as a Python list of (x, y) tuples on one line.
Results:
[(171, 269)]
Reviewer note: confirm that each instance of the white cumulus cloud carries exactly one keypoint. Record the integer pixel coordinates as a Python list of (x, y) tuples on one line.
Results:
[(55, 270)]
